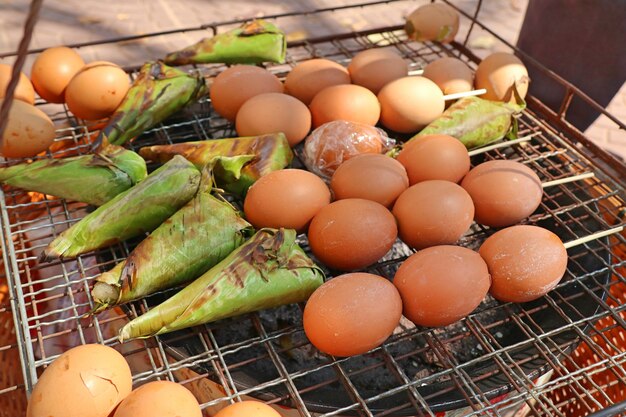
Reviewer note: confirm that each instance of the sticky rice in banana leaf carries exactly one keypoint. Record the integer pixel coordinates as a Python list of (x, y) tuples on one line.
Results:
[(195, 238), (92, 179), (158, 92), (253, 43), (266, 153), (477, 122), (138, 210), (267, 271)]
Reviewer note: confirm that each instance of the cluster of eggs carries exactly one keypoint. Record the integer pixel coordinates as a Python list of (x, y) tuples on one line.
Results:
[(93, 380), (59, 75), (429, 198)]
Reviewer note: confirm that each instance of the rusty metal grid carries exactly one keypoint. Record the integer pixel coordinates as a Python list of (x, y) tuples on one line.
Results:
[(50, 300)]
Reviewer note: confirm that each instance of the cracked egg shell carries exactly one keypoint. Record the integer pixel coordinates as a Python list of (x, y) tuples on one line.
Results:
[(86, 381), (433, 22), (498, 73)]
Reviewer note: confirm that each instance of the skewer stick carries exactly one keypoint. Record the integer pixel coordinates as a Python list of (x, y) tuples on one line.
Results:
[(416, 72), (593, 236), (568, 179), (464, 94), (503, 144), (455, 95)]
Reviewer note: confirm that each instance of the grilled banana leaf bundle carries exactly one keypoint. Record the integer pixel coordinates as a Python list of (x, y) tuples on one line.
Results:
[(195, 238), (265, 153), (477, 122), (92, 179), (158, 92), (267, 271), (253, 43), (138, 210)]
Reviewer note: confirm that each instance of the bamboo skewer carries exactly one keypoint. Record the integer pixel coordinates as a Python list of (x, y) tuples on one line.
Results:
[(593, 236), (504, 144), (455, 95), (464, 94), (568, 179)]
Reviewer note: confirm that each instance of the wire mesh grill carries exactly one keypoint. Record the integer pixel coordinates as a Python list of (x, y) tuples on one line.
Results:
[(492, 362)]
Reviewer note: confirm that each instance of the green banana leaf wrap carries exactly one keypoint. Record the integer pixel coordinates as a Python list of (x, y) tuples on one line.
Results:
[(195, 238), (476, 122), (138, 210), (158, 92), (253, 43), (267, 271), (92, 179), (266, 153)]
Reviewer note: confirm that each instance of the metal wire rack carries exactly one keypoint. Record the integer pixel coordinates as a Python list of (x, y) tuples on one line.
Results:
[(502, 357)]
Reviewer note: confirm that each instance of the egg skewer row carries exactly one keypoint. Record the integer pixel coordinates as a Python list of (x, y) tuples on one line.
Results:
[(503, 144), (526, 262), (453, 96), (443, 284)]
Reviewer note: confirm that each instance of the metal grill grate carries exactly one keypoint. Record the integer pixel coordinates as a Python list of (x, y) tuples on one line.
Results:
[(499, 349)]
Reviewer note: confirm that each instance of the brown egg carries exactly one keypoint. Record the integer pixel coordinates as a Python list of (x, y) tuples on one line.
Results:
[(88, 380), (434, 157), (96, 90), (410, 103), (441, 285), (345, 102), (375, 68), (352, 234), (287, 198), (433, 213), (525, 262), (248, 408), (333, 143), (52, 71), (271, 113), (28, 131), (160, 398), (451, 75), (433, 22), (504, 192), (372, 177), (23, 91), (498, 73), (352, 314), (239, 83), (310, 77)]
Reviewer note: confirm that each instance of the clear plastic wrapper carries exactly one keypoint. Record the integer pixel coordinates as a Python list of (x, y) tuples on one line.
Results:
[(335, 142)]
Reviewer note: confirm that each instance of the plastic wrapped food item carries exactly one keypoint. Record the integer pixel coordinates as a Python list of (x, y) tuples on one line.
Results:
[(335, 142)]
